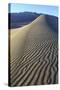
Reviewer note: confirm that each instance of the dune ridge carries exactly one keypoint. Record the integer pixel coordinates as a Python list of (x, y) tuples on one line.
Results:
[(34, 54)]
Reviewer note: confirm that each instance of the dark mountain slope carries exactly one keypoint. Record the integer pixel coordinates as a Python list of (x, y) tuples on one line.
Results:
[(20, 19)]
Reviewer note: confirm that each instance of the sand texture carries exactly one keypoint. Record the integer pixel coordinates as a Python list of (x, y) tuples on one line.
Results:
[(34, 54)]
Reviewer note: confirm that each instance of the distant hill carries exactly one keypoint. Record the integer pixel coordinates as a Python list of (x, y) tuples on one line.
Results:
[(17, 20), (20, 19)]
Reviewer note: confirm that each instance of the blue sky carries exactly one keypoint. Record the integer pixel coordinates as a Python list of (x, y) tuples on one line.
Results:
[(16, 8)]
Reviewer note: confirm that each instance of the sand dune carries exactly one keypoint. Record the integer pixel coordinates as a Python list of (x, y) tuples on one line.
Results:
[(34, 54)]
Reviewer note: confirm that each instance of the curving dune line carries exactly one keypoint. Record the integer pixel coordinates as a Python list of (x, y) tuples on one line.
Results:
[(34, 54)]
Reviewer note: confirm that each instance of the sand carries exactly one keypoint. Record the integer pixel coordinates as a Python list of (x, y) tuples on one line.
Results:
[(34, 54)]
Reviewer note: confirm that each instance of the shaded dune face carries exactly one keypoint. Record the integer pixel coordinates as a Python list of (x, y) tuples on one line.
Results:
[(34, 54), (53, 22)]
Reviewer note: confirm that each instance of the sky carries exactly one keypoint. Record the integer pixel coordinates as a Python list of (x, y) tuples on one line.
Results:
[(45, 9)]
